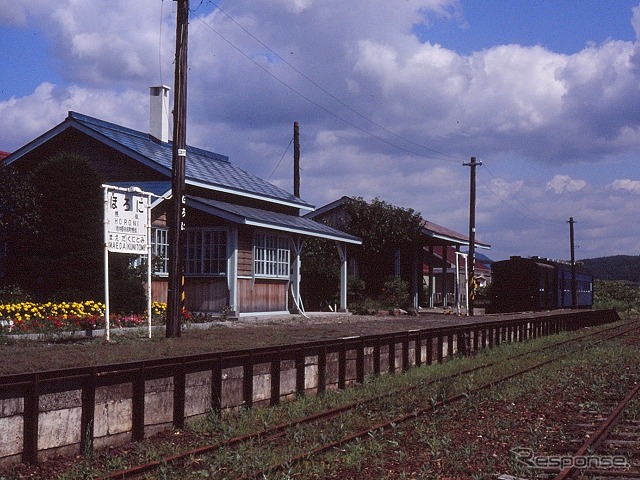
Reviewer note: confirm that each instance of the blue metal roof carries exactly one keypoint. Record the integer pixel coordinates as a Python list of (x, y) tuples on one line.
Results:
[(267, 219), (203, 168)]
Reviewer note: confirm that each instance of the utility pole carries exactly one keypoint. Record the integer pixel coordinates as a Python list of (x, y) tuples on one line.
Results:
[(471, 259), (296, 159), (179, 154), (574, 291)]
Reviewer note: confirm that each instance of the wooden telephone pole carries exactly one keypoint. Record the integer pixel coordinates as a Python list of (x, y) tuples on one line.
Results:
[(471, 259), (574, 290), (296, 159), (175, 300)]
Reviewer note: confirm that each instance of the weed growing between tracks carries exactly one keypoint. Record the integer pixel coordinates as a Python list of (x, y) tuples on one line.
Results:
[(469, 439)]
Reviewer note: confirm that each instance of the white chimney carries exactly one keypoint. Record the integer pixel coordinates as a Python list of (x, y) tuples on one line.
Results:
[(159, 113)]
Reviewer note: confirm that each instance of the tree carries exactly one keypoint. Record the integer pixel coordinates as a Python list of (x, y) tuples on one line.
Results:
[(19, 216), (384, 229), (320, 272), (64, 258)]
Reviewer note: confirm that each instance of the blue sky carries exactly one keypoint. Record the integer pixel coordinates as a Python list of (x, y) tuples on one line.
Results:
[(25, 75), (563, 26), (391, 97)]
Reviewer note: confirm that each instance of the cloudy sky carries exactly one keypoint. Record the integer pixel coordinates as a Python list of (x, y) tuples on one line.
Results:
[(392, 97)]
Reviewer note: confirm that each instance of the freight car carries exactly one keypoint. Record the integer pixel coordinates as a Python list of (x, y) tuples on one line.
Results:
[(530, 284)]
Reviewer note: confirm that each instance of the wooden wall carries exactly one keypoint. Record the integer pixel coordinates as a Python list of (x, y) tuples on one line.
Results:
[(245, 252), (206, 294), (263, 296), (160, 290), (211, 294)]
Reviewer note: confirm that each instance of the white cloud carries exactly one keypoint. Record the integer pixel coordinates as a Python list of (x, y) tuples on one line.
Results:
[(526, 100), (627, 184), (565, 184), (636, 21), (384, 94), (19, 124)]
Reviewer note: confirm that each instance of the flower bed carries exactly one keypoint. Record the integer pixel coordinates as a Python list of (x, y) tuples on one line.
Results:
[(31, 317)]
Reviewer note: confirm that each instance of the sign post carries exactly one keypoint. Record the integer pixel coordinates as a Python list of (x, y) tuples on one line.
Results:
[(127, 229)]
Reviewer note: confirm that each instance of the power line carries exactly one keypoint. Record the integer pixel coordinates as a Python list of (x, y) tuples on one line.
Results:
[(326, 110), (314, 83), (534, 216), (280, 161)]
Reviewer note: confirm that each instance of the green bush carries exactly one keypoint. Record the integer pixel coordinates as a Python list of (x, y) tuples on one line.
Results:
[(13, 294), (620, 296), (126, 290), (355, 289), (395, 293)]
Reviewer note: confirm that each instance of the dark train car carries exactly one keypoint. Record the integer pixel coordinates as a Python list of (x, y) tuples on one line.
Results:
[(531, 284)]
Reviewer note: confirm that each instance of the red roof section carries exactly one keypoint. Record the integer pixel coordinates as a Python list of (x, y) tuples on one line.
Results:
[(451, 260), (3, 155), (433, 229)]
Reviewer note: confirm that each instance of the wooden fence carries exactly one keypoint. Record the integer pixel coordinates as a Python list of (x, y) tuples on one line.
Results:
[(316, 366)]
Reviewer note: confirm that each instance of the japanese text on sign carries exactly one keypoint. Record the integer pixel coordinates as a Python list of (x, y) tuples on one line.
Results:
[(126, 214)]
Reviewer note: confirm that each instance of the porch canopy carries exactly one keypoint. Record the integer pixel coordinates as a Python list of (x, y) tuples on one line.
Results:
[(257, 217), (437, 241), (297, 227)]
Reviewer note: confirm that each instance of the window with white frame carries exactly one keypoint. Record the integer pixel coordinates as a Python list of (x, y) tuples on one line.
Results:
[(160, 250), (159, 253), (271, 255), (206, 251)]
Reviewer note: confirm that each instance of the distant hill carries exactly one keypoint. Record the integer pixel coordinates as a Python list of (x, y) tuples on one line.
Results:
[(480, 257), (483, 259), (617, 267)]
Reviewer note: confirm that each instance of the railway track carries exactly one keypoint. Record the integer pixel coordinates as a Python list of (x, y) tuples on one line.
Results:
[(612, 447), (602, 446), (379, 413)]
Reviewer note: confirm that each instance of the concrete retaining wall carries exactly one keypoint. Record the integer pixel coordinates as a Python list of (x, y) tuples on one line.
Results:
[(61, 412)]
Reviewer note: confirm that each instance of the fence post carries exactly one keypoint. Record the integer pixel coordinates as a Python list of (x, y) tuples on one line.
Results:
[(300, 366), (137, 407), (376, 356), (30, 421), (322, 369), (360, 362), (179, 386), (391, 349), (247, 382), (417, 348), (216, 385), (275, 379), (405, 352), (88, 413), (342, 366)]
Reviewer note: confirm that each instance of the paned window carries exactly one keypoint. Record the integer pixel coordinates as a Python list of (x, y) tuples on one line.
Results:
[(271, 255), (206, 251), (160, 250)]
